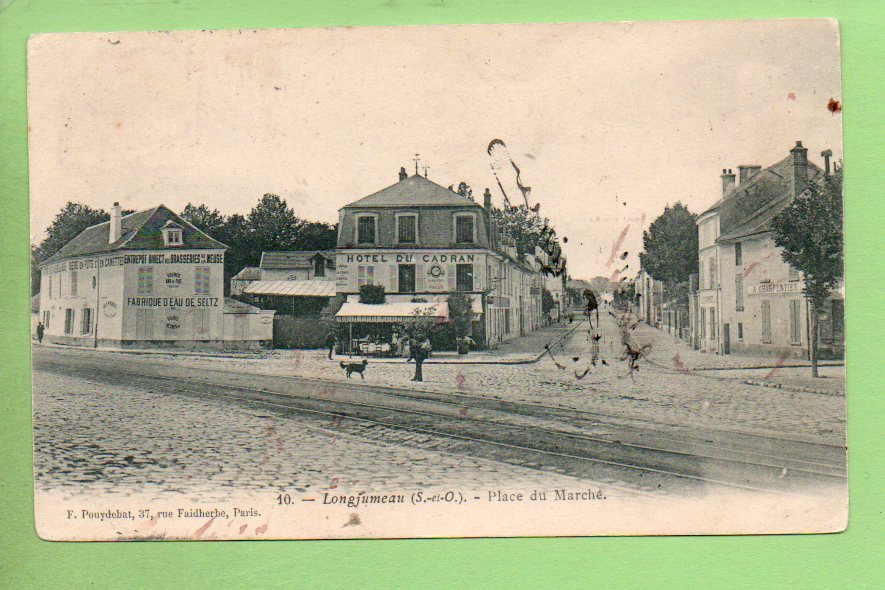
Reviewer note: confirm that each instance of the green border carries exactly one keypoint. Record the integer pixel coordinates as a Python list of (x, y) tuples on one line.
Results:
[(843, 561)]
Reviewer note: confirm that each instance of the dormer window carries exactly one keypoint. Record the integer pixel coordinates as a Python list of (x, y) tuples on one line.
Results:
[(319, 266), (172, 234), (465, 228), (366, 228)]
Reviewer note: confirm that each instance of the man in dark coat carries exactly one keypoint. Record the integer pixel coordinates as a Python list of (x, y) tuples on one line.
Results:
[(40, 330), (331, 341), (421, 354)]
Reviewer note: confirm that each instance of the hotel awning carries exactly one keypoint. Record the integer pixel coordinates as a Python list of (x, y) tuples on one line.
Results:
[(352, 312), (301, 288)]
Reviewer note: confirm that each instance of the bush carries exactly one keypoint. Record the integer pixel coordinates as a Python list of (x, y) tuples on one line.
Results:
[(372, 294), (460, 313)]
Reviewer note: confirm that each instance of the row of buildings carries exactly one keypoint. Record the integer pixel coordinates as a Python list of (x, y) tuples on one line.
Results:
[(745, 299), (153, 279)]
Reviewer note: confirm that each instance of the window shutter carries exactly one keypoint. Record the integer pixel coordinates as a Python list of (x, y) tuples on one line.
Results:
[(419, 278), (451, 272), (393, 278)]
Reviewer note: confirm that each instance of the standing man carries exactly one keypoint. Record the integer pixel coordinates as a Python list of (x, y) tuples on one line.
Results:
[(331, 341), (40, 329), (421, 354)]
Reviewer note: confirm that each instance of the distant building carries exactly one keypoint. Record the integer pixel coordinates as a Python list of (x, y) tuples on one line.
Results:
[(421, 241), (148, 279), (749, 300), (649, 298), (296, 283)]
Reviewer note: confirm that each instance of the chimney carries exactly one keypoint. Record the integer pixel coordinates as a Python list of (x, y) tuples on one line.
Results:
[(727, 181), (746, 172), (799, 179), (403, 174), (115, 226), (826, 155), (487, 200)]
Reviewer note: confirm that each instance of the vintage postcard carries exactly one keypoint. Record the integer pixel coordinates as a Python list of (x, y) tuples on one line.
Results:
[(438, 281)]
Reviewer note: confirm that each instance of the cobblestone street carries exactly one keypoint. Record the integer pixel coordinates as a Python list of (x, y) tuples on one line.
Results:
[(667, 396), (125, 440)]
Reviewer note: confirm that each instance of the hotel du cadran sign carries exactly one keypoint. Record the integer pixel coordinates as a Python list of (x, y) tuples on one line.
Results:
[(435, 265)]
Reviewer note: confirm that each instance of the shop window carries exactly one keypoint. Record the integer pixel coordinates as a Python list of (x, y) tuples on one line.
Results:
[(145, 280), (738, 254), (202, 284), (464, 229), (69, 321), (464, 277), (366, 229), (86, 321), (319, 266), (407, 229), (406, 278)]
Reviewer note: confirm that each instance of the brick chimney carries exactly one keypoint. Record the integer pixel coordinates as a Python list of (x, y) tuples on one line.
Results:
[(799, 178), (403, 174), (487, 200), (727, 181), (116, 223), (746, 172)]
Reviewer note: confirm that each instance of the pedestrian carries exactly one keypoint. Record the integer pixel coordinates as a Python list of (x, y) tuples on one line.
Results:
[(421, 354), (331, 341), (413, 348), (426, 347), (40, 329)]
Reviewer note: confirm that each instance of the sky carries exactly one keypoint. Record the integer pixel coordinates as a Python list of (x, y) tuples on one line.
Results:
[(608, 123)]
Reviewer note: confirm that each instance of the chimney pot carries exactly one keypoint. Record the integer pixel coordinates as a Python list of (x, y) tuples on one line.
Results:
[(727, 181), (403, 174), (799, 180)]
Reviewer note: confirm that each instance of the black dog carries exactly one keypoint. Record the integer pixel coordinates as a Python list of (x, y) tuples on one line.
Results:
[(351, 368)]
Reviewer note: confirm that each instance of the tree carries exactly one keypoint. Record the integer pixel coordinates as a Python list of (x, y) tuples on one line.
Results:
[(272, 225), (68, 223), (209, 221), (460, 313), (809, 230), (670, 246), (547, 301), (420, 324), (327, 314), (372, 294)]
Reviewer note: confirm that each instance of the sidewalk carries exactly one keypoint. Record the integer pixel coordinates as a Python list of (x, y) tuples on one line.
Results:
[(669, 352), (519, 351)]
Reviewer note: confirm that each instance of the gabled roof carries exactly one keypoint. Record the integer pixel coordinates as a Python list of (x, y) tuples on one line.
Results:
[(249, 273), (415, 191), (138, 231), (294, 258), (752, 205)]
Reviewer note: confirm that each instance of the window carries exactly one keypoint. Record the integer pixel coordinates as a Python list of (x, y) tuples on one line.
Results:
[(464, 277), (766, 322), (69, 321), (73, 283), (794, 322), (793, 273), (145, 280), (144, 324), (406, 278), (365, 229), (713, 325), (739, 292), (407, 229), (712, 269), (319, 266), (365, 275), (740, 331), (201, 324), (172, 236), (703, 323), (507, 320), (201, 280), (738, 255), (94, 281), (86, 321), (464, 229), (46, 319), (50, 286)]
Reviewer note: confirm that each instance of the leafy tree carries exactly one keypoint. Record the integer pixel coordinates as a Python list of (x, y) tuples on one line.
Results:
[(547, 301), (809, 230), (210, 221), (372, 294), (327, 314), (315, 235), (272, 225), (460, 313), (420, 324), (670, 246)]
